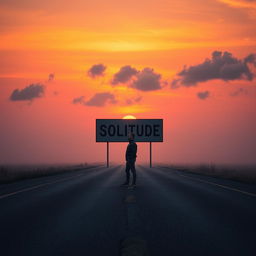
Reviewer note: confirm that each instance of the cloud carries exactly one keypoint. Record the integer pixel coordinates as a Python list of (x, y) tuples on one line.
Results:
[(138, 99), (96, 70), (98, 100), (144, 80), (133, 101), (124, 75), (147, 80), (51, 77), (28, 93), (79, 100), (203, 95), (175, 83), (240, 3), (221, 66), (251, 58), (240, 91)]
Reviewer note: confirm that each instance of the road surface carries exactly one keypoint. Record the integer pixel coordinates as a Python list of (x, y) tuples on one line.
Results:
[(88, 213)]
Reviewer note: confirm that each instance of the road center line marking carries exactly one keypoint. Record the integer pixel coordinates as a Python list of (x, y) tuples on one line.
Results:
[(222, 186), (37, 186)]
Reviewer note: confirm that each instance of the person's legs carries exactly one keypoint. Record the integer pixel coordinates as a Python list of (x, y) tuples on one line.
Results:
[(127, 170), (132, 164)]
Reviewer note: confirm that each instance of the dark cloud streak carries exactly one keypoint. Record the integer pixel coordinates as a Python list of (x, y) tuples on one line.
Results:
[(51, 77), (28, 93), (124, 75), (203, 95), (133, 101), (96, 70), (240, 91), (97, 100), (221, 66), (147, 80)]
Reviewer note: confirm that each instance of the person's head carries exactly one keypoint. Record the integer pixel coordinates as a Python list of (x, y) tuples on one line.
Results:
[(131, 136)]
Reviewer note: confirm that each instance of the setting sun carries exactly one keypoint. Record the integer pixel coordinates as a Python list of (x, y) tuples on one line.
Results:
[(129, 117)]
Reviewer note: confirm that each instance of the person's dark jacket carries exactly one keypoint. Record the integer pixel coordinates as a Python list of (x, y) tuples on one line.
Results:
[(131, 151)]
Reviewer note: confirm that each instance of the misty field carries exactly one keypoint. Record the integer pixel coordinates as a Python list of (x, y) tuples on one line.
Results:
[(241, 173), (11, 173)]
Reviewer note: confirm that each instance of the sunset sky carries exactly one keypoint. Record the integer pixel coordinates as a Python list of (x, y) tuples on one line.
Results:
[(65, 63)]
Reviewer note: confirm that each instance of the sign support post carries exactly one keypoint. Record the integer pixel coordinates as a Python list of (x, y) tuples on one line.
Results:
[(150, 154), (107, 154), (118, 130)]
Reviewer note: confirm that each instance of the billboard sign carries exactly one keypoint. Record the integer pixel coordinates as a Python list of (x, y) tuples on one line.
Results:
[(117, 130)]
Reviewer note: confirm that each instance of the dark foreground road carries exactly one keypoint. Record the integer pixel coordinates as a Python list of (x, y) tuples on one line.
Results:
[(88, 213)]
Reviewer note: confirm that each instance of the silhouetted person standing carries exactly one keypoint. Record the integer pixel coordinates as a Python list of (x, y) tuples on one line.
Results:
[(130, 157)]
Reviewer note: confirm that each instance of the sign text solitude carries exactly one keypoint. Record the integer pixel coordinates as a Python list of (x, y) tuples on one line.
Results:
[(117, 130)]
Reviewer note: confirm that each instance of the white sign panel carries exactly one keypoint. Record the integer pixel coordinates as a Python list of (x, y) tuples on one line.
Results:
[(117, 130)]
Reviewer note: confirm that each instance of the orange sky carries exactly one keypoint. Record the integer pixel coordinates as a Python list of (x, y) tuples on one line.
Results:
[(210, 117)]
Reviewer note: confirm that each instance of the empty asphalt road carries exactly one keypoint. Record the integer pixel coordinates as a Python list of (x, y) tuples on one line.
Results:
[(88, 213)]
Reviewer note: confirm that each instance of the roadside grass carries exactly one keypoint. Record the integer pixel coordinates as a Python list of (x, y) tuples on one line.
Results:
[(241, 173), (12, 173)]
